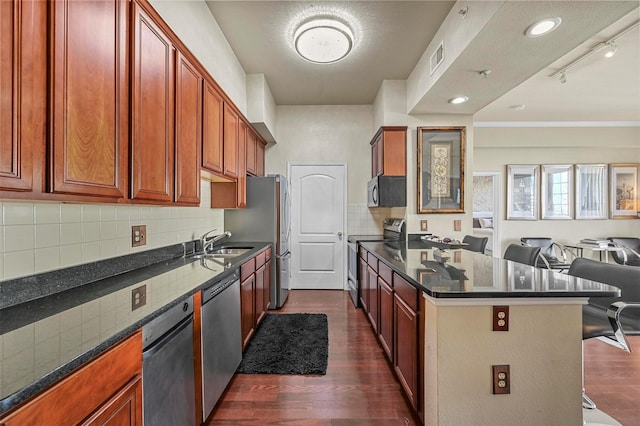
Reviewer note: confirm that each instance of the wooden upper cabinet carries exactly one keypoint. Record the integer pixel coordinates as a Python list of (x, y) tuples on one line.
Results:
[(188, 131), (243, 135), (152, 115), (389, 151), (260, 145), (212, 129), (23, 62), (252, 143), (89, 100), (231, 138)]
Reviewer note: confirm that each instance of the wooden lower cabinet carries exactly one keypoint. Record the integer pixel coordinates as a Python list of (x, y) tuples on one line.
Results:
[(107, 390), (261, 310), (363, 284), (267, 281), (405, 360), (373, 297), (385, 324), (247, 308)]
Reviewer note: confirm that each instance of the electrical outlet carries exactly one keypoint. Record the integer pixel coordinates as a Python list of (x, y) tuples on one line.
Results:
[(457, 225), (138, 235), (138, 297), (424, 225), (500, 318), (501, 379)]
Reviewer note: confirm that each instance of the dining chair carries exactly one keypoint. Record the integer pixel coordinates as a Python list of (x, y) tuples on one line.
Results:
[(522, 254), (548, 258), (477, 244), (609, 319), (630, 253)]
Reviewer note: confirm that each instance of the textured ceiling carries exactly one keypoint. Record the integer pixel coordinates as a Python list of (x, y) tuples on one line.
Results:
[(391, 36)]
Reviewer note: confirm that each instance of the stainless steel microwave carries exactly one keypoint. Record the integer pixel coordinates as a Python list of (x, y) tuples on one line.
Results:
[(387, 191)]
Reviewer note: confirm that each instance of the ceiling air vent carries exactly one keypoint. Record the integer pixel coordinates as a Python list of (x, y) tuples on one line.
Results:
[(436, 58)]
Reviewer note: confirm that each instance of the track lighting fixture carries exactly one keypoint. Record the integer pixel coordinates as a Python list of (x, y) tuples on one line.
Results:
[(563, 77), (610, 49)]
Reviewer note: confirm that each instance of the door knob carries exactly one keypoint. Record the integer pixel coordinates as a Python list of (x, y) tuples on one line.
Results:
[(339, 234)]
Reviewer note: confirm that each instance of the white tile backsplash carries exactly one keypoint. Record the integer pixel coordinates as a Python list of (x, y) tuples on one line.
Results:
[(41, 236), (366, 221)]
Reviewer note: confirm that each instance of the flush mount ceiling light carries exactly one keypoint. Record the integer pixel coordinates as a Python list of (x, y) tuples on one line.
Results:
[(610, 49), (458, 100), (542, 27), (323, 41)]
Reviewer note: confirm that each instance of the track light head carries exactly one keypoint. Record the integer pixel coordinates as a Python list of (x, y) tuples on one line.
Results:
[(563, 77), (610, 49)]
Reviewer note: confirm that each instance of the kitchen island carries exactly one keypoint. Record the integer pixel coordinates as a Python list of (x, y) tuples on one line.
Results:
[(462, 294)]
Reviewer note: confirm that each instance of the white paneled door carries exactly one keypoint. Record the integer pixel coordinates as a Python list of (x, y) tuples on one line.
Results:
[(318, 198)]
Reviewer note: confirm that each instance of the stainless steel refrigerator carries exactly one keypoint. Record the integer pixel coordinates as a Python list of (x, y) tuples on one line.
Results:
[(266, 219)]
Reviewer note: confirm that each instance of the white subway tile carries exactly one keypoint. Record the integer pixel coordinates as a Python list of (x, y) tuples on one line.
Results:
[(107, 230), (19, 264), (18, 237), (107, 213), (123, 246), (90, 251), (90, 213), (70, 233), (135, 214), (47, 259), (90, 232), (122, 213), (108, 249), (47, 235), (70, 255), (70, 213), (18, 213), (47, 213)]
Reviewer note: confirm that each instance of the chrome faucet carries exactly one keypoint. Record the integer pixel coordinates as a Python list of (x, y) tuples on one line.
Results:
[(207, 243)]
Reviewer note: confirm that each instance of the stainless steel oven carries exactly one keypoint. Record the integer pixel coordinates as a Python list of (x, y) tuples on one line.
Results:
[(394, 230)]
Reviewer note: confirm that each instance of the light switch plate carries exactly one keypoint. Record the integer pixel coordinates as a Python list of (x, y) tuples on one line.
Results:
[(457, 225), (424, 225)]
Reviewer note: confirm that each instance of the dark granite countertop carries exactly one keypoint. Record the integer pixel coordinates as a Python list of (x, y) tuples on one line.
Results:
[(54, 322), (468, 274)]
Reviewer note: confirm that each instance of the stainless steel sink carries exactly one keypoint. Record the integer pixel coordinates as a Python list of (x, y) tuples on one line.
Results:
[(228, 252)]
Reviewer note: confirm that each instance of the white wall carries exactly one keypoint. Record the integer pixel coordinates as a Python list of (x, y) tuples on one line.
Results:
[(390, 110), (497, 147), (196, 27)]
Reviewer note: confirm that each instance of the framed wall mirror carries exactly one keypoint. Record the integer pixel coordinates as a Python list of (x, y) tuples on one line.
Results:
[(441, 169)]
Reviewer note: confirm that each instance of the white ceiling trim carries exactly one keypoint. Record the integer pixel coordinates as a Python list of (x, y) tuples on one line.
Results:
[(556, 124)]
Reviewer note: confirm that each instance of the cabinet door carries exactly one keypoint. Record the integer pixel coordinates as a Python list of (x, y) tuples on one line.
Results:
[(86, 391), (247, 308), (260, 290), (231, 123), (188, 131), (267, 282), (251, 153), (363, 283), (23, 65), (152, 110), (405, 362), (124, 409), (241, 187), (212, 138), (89, 98), (385, 326), (260, 158), (373, 297)]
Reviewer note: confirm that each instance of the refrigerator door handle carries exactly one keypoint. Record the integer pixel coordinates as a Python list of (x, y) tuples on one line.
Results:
[(284, 256)]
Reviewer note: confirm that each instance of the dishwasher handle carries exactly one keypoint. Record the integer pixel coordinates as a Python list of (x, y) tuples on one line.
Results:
[(162, 341)]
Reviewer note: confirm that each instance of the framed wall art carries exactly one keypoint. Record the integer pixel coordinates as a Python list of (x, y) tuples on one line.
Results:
[(556, 192), (441, 153), (623, 191), (522, 191), (591, 191)]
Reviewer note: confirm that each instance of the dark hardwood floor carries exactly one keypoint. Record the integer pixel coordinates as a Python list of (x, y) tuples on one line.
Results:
[(360, 388), (612, 379)]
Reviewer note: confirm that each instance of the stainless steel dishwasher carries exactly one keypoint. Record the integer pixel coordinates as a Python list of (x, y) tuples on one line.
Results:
[(221, 339), (168, 384)]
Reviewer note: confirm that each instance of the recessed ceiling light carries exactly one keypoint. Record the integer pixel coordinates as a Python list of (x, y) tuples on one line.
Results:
[(323, 41), (542, 27), (458, 100)]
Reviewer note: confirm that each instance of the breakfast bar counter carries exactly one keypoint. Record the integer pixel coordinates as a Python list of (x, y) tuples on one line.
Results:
[(465, 295)]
